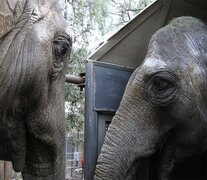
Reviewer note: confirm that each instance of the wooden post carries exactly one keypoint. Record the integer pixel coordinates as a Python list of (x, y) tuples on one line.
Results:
[(1, 170), (7, 170)]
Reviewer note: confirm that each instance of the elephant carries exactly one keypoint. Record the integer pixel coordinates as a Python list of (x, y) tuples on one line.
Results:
[(160, 127), (35, 46)]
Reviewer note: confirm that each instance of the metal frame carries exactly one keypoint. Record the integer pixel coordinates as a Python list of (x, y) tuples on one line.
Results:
[(98, 111)]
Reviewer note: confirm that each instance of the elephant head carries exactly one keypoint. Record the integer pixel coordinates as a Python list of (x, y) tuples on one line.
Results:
[(163, 107), (34, 48)]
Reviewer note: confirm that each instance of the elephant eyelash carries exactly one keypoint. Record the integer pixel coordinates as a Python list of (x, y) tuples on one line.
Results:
[(164, 75)]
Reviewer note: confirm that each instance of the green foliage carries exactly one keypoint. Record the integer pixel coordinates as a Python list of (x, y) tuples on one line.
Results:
[(124, 10), (85, 18)]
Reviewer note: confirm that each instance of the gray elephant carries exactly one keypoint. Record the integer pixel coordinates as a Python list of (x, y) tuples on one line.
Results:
[(160, 126), (34, 49)]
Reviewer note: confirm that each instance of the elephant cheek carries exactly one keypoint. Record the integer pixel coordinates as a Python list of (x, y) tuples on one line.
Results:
[(127, 142)]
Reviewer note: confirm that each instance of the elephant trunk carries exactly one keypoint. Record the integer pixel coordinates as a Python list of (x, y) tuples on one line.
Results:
[(126, 144)]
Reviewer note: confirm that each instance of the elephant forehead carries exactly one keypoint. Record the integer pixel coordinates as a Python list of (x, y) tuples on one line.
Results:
[(44, 6), (193, 74), (152, 65), (53, 23), (192, 68)]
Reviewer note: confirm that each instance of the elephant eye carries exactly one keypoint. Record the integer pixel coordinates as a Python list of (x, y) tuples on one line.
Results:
[(61, 46), (160, 85), (163, 87)]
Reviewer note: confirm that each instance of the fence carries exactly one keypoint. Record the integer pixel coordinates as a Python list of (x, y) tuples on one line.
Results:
[(75, 163)]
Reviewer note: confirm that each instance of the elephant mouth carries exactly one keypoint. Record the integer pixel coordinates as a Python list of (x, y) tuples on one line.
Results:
[(148, 167), (138, 169)]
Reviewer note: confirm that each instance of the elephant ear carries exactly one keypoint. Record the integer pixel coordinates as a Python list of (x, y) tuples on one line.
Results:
[(10, 11)]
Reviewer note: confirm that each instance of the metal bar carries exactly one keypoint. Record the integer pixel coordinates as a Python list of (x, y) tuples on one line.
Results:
[(74, 79), (91, 134)]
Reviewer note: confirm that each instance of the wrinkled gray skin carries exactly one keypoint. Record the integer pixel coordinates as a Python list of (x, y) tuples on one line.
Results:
[(34, 48), (163, 107)]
